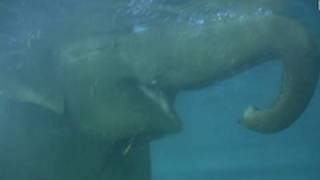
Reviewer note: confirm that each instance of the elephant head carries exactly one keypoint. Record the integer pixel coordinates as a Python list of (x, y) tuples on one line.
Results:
[(118, 85)]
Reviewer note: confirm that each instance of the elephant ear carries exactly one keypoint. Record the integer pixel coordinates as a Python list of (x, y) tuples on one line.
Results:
[(299, 54), (31, 81), (44, 97)]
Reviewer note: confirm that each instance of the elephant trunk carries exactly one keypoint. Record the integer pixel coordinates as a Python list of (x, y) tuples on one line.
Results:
[(299, 57)]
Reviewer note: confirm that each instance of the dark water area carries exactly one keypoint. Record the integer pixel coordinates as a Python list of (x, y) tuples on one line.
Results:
[(51, 84)]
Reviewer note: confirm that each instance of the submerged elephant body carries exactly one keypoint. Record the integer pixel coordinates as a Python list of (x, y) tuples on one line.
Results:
[(119, 87)]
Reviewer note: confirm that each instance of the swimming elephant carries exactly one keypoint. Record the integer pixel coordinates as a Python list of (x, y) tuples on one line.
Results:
[(101, 97)]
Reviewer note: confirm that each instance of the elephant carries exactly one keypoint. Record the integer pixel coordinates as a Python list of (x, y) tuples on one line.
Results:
[(100, 92)]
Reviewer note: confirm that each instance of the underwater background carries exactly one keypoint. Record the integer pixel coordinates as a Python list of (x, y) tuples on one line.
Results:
[(212, 144)]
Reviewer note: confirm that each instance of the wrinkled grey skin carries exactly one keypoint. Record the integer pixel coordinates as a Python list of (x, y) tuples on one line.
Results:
[(116, 87)]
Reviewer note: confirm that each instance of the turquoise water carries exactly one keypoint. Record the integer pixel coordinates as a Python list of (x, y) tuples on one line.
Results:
[(39, 141)]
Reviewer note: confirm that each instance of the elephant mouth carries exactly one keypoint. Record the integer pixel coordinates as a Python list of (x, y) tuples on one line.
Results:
[(158, 97)]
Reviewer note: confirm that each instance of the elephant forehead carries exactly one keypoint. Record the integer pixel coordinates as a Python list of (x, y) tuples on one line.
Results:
[(89, 60), (86, 49)]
